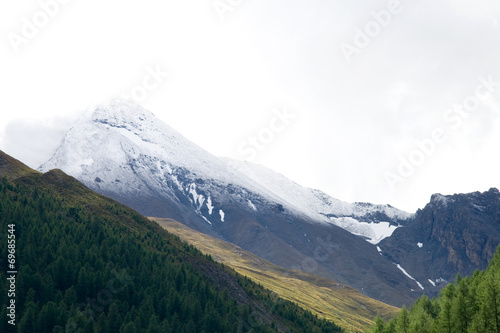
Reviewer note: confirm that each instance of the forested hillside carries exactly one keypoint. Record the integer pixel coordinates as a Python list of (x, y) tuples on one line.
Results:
[(470, 304), (88, 264), (344, 305)]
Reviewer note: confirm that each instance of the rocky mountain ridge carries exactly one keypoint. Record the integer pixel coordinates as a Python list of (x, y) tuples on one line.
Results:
[(453, 234), (121, 150)]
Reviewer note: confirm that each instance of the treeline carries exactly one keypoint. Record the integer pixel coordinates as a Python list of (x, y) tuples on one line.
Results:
[(469, 305), (100, 267)]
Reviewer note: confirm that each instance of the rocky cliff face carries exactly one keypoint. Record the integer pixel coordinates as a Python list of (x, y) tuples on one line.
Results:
[(452, 234)]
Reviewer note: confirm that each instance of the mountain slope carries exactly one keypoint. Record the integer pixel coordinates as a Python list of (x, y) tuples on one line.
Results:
[(373, 222), (452, 234), (88, 263), (346, 306), (123, 151), (470, 304), (12, 168)]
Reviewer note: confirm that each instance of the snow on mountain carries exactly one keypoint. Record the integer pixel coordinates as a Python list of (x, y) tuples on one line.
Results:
[(409, 276), (357, 218), (119, 147), (122, 147), (138, 132)]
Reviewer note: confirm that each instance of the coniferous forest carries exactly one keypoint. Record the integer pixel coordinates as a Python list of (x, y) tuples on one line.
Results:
[(469, 305), (88, 264)]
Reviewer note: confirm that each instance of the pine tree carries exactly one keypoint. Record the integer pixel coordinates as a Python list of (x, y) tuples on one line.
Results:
[(445, 321), (28, 321), (492, 301), (48, 317), (379, 325), (421, 321), (154, 325), (128, 328), (461, 310), (403, 321)]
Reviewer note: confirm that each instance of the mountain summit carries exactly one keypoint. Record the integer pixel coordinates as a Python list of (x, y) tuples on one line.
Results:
[(123, 151)]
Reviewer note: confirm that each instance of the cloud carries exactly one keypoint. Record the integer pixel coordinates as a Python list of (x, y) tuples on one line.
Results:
[(33, 141)]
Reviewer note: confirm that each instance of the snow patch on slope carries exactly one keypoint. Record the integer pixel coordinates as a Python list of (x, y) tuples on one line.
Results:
[(203, 217), (210, 206), (250, 203), (197, 199), (374, 232), (409, 276)]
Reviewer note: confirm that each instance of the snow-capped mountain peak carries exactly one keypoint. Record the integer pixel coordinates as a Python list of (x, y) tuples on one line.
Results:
[(120, 132), (122, 149), (120, 113)]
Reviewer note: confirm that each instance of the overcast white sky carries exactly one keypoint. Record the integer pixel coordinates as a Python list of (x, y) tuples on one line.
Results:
[(362, 92)]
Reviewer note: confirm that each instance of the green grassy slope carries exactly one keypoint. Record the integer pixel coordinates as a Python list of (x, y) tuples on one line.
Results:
[(12, 168), (346, 306)]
